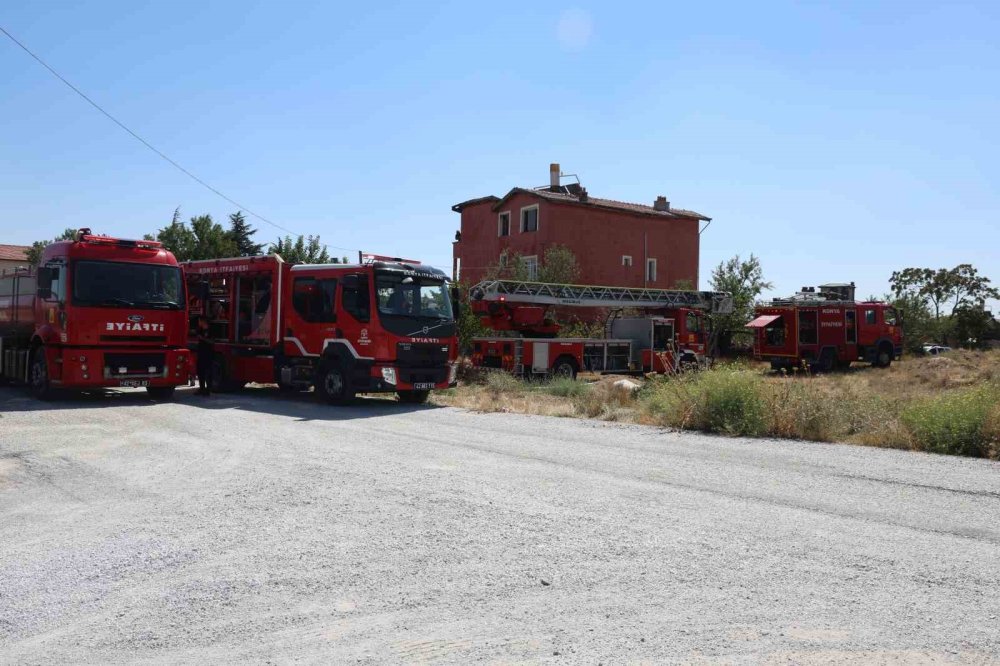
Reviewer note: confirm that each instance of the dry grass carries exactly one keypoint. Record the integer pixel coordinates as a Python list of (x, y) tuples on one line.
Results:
[(947, 404)]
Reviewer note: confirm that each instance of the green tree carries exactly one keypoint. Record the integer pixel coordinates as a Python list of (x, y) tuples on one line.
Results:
[(744, 279), (919, 324), (558, 266), (241, 234), (961, 286), (303, 250), (203, 239), (973, 326), (34, 253)]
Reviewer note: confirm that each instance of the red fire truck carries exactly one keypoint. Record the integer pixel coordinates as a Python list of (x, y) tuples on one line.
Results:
[(380, 326), (672, 334), (826, 328), (95, 312)]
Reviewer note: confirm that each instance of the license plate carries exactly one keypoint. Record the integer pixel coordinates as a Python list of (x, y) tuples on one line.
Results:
[(423, 385), (134, 383)]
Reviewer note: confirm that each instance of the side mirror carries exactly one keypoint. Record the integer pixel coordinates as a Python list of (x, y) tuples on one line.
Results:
[(456, 303)]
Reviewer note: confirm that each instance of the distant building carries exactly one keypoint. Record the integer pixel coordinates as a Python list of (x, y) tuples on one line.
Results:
[(12, 256), (615, 243)]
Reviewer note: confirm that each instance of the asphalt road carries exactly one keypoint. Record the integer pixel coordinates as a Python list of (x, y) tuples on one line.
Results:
[(261, 527)]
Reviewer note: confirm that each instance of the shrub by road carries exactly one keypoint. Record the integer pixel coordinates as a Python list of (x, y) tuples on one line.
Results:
[(948, 404)]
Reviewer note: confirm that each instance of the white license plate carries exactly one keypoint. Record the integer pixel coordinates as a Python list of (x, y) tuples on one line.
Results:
[(423, 385), (135, 383)]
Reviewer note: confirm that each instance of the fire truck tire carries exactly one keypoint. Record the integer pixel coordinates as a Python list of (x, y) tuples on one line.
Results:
[(39, 377), (413, 397), (564, 367), (160, 392), (333, 385), (883, 359)]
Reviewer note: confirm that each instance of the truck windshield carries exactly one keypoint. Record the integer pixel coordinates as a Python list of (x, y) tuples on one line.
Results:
[(126, 285), (412, 297)]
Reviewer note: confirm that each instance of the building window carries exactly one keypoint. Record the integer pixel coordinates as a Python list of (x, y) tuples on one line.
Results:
[(651, 270), (530, 267), (529, 218), (503, 226), (626, 260)]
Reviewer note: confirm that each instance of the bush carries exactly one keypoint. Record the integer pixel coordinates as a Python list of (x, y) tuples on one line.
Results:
[(727, 400), (565, 387), (961, 422), (499, 382)]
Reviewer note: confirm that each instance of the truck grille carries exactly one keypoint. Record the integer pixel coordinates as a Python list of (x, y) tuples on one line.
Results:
[(421, 355), (423, 375), (133, 365)]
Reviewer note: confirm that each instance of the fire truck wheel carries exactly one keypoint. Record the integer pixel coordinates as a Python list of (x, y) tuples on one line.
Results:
[(884, 357), (40, 386), (413, 397), (333, 386), (564, 368), (160, 392)]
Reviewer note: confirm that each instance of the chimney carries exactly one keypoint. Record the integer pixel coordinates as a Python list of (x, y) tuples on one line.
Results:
[(583, 196), (554, 176), (661, 204)]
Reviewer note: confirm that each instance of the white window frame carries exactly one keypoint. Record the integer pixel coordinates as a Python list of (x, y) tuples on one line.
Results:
[(651, 275), (500, 233), (627, 260), (538, 217), (532, 271)]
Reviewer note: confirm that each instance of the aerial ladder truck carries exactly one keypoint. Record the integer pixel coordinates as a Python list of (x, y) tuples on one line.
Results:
[(667, 330)]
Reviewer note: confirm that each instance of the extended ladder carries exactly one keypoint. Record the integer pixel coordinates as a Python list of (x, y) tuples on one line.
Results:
[(514, 291)]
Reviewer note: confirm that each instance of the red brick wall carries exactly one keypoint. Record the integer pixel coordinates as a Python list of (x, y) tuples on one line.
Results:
[(598, 238)]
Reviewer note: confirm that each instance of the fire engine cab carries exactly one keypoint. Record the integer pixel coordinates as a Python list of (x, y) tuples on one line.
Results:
[(373, 327), (671, 334), (826, 328), (96, 312)]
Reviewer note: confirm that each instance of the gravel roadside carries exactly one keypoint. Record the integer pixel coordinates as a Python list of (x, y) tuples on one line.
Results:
[(270, 528)]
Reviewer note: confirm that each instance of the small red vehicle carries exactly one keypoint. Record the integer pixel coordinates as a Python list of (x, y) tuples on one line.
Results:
[(376, 327), (826, 329), (672, 335), (96, 312)]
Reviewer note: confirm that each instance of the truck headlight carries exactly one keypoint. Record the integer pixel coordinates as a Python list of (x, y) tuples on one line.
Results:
[(389, 375), (452, 372)]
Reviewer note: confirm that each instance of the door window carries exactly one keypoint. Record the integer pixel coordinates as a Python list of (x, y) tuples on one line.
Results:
[(314, 301), (870, 317), (356, 299)]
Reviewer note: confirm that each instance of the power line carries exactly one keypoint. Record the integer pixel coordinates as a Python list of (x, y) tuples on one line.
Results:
[(149, 145)]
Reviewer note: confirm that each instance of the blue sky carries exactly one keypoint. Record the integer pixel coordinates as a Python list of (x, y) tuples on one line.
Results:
[(836, 142)]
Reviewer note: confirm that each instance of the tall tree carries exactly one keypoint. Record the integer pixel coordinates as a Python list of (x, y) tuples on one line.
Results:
[(744, 279), (241, 234), (203, 239), (961, 286), (34, 253), (303, 250)]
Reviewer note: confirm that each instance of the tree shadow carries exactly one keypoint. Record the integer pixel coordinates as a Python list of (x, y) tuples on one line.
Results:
[(264, 400)]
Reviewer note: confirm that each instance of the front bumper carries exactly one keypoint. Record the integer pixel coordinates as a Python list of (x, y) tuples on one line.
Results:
[(89, 367), (391, 378)]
